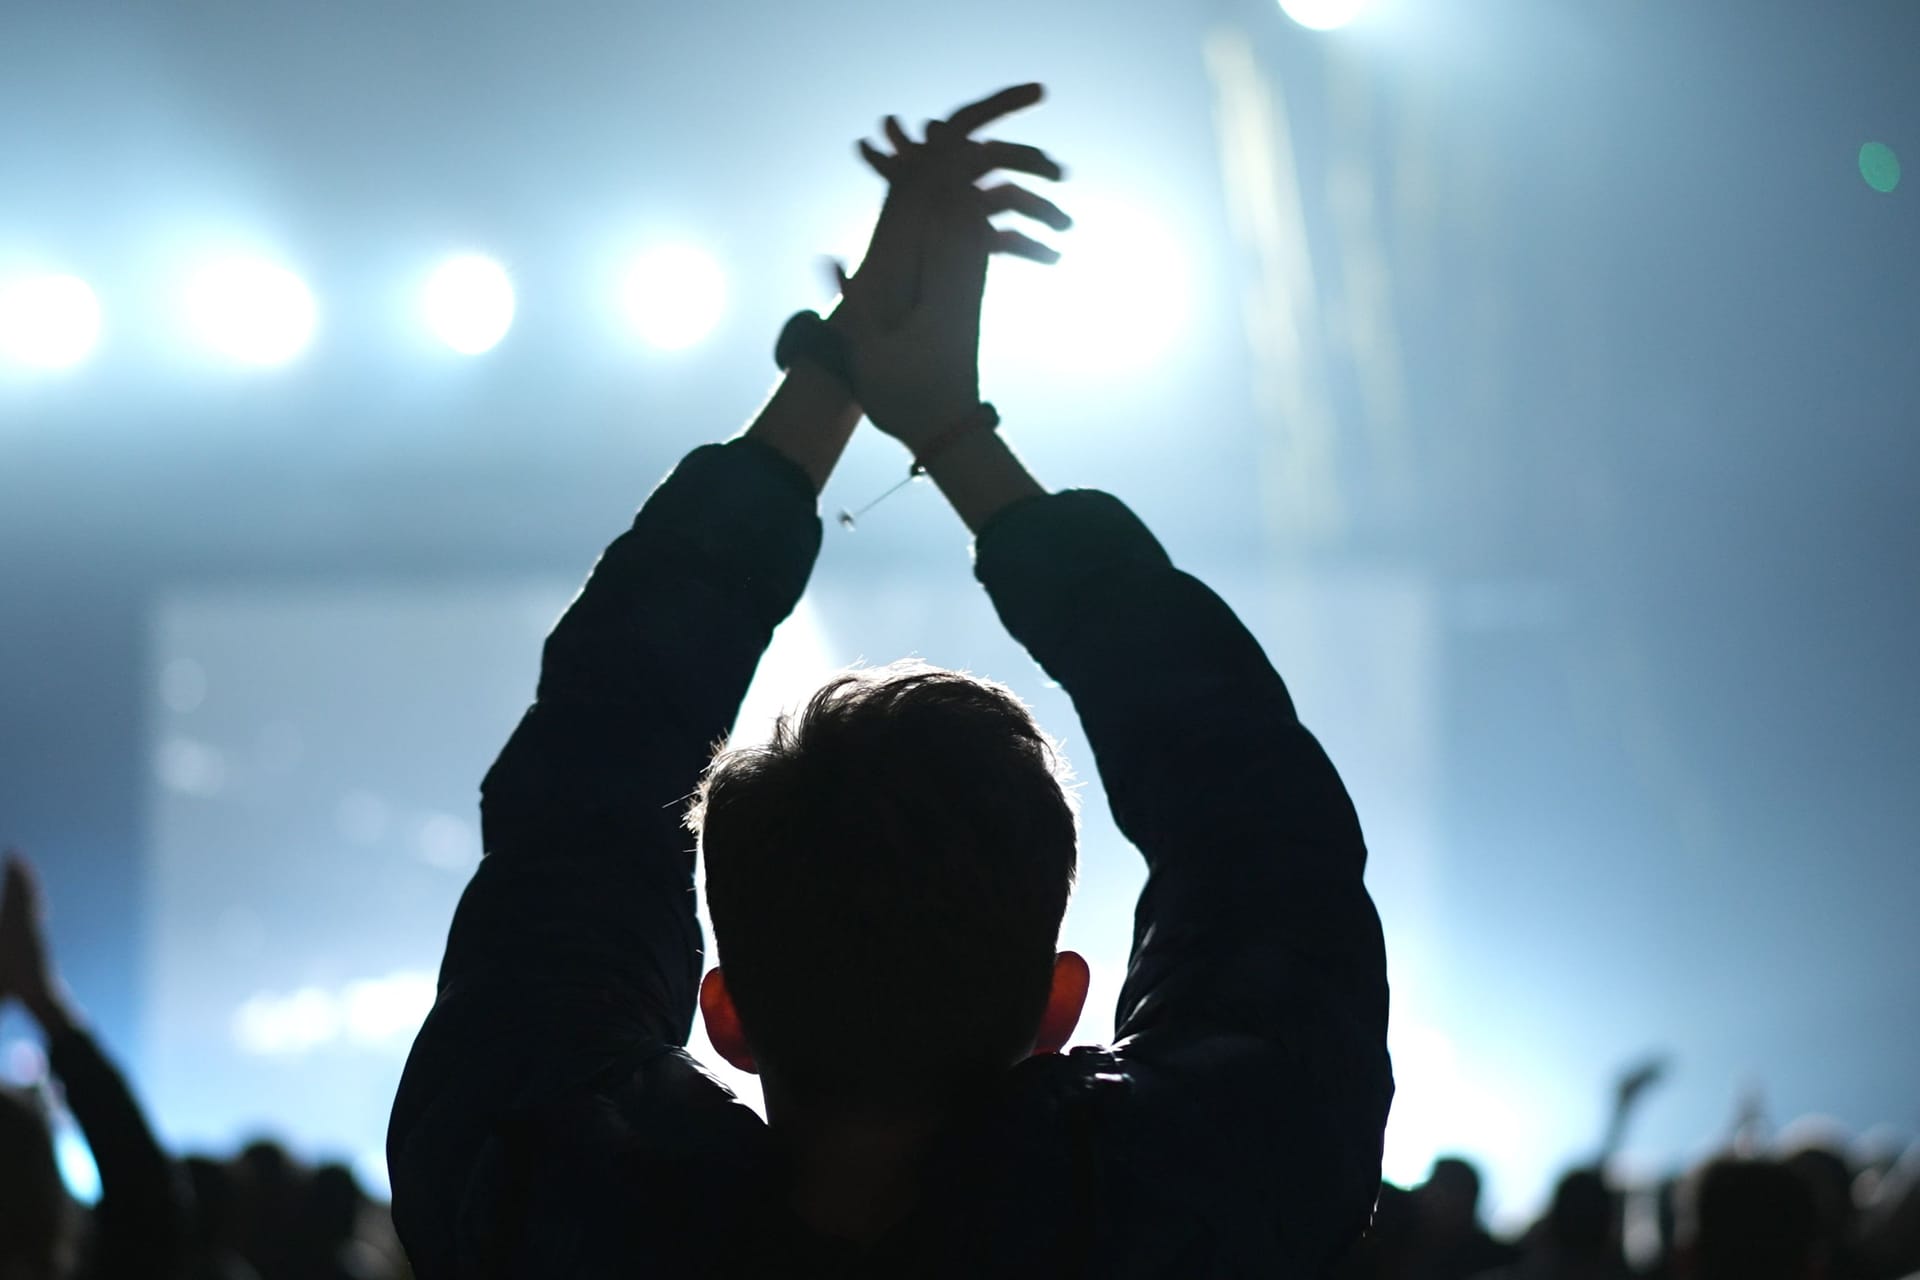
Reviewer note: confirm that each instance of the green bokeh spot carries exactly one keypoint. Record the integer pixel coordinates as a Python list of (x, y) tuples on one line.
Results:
[(1879, 166)]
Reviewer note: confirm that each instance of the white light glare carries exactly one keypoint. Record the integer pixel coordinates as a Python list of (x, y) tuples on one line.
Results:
[(252, 311), (1116, 302), (674, 295), (1323, 15), (50, 322), (469, 303)]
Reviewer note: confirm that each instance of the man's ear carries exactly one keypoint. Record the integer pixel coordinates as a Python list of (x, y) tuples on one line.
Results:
[(723, 1022), (1064, 1002)]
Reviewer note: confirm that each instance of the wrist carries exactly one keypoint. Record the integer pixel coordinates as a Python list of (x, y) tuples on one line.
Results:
[(922, 427), (819, 387), (51, 1009), (981, 477), (811, 343), (981, 419)]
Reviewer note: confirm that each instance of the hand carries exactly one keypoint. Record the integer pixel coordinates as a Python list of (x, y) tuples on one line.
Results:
[(1637, 1080), (912, 312), (26, 970)]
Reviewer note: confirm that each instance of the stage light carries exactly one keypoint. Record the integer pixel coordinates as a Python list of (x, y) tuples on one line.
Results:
[(1116, 302), (50, 322), (469, 303), (674, 295), (250, 310), (1323, 15)]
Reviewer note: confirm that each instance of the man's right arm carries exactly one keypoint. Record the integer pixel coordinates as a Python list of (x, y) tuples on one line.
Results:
[(1258, 972), (1258, 977)]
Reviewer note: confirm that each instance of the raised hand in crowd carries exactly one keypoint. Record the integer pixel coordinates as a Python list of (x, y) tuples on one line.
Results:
[(140, 1227), (27, 970)]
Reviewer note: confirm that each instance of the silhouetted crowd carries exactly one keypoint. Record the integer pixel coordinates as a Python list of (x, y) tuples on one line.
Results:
[(264, 1215), (1814, 1212), (260, 1214)]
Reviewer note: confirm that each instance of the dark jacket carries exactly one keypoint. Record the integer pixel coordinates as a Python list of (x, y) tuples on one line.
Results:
[(550, 1123)]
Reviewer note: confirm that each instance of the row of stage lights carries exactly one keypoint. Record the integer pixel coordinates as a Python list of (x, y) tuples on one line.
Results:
[(255, 311), (1095, 313)]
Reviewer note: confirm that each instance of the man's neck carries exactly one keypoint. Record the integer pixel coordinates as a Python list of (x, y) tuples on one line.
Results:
[(853, 1177)]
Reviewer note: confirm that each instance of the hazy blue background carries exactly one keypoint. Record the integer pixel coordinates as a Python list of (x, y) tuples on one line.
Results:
[(1580, 508)]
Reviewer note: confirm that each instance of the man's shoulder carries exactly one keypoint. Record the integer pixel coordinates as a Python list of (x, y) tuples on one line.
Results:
[(1100, 1154), (1198, 1155), (1135, 1169)]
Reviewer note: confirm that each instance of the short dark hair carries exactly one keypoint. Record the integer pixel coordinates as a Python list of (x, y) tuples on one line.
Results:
[(892, 869)]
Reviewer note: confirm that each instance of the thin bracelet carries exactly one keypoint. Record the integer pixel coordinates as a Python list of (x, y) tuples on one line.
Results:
[(984, 417)]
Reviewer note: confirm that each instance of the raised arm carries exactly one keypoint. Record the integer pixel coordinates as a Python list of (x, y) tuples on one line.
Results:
[(140, 1225), (573, 964), (1258, 973), (574, 956), (1257, 982)]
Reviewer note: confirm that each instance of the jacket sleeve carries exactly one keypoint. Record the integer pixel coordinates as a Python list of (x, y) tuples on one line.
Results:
[(139, 1228), (1256, 988), (574, 954)]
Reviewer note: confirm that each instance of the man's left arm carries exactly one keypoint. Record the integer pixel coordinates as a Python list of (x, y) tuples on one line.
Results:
[(575, 956)]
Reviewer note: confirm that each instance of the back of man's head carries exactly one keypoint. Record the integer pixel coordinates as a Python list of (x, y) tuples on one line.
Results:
[(1746, 1219), (887, 878)]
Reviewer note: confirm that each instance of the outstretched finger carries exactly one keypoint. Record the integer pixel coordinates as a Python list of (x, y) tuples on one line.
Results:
[(1004, 103), (984, 157), (902, 144), (879, 161), (1009, 198), (1023, 246)]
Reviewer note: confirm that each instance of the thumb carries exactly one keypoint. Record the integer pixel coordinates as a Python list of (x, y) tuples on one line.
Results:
[(837, 276), (853, 316)]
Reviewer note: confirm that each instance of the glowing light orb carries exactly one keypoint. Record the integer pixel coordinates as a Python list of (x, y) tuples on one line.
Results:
[(1322, 15), (50, 322), (469, 303), (251, 311), (1116, 302), (674, 295), (1880, 167)]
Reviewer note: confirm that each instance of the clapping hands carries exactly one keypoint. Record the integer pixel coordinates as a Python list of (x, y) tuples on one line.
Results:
[(912, 312)]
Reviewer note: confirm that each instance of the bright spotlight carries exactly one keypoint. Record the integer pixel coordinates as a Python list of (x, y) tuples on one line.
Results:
[(674, 295), (50, 322), (252, 311), (1116, 302), (1323, 15), (469, 303)]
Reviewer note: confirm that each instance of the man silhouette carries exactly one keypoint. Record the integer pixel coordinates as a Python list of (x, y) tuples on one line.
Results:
[(887, 879)]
